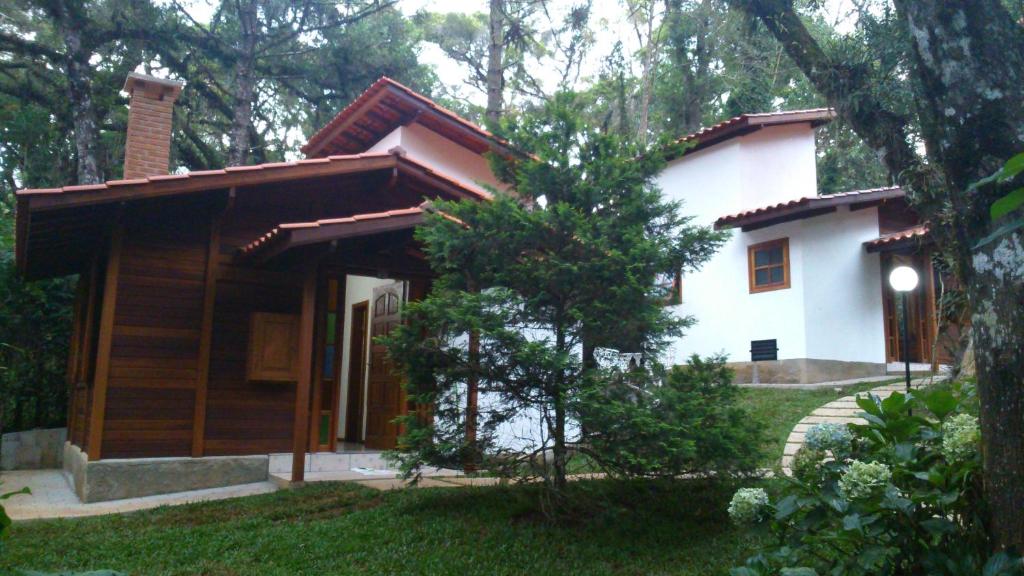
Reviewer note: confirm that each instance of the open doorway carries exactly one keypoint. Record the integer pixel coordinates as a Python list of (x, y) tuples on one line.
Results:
[(367, 386)]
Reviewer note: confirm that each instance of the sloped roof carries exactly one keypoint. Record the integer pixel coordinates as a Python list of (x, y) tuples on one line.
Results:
[(49, 219), (747, 123), (286, 236), (171, 184), (899, 239), (806, 207), (386, 105)]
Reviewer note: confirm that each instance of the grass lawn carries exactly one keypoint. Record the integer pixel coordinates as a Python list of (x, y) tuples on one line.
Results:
[(669, 528), (779, 410)]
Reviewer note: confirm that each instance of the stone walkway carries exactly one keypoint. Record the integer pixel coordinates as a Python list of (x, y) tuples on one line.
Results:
[(841, 411), (53, 497)]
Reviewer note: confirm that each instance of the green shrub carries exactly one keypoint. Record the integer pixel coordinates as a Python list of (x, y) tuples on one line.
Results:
[(906, 499), (5, 520), (687, 422)]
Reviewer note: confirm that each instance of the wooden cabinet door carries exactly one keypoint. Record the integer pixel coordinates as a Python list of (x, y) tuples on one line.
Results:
[(384, 397)]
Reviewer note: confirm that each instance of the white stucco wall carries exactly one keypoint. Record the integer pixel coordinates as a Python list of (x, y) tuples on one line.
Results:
[(832, 309), (441, 154), (843, 287)]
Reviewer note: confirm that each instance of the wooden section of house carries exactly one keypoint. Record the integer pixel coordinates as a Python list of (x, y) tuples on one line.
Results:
[(163, 333)]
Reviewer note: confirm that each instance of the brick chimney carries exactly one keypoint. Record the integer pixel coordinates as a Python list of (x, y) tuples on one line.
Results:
[(147, 148)]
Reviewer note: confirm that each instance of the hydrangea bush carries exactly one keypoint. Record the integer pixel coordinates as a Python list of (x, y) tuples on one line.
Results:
[(748, 505), (898, 495), (863, 480), (829, 437)]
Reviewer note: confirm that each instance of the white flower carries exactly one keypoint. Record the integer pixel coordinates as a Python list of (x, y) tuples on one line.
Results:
[(960, 435), (748, 505), (863, 479), (830, 437)]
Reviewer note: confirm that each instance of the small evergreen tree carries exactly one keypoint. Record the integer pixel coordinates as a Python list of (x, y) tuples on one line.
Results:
[(528, 285)]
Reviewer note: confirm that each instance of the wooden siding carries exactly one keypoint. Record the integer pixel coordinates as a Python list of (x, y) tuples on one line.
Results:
[(155, 346)]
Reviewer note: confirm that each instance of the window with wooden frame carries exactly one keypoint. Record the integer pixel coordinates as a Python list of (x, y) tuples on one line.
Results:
[(768, 265)]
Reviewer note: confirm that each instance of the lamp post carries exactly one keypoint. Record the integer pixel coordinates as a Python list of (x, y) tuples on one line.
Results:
[(903, 279)]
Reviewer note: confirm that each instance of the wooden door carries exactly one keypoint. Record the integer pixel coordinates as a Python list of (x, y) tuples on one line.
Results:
[(384, 398), (919, 311), (356, 373)]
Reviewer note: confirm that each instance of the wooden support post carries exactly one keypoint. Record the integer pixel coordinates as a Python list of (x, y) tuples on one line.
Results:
[(305, 381), (103, 346)]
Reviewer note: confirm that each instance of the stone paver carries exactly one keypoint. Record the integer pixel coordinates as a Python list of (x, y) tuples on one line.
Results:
[(841, 411)]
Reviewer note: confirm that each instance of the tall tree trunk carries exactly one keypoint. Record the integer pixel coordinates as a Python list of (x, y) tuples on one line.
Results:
[(495, 61), (968, 63), (647, 81), (245, 86), (969, 60), (83, 112), (559, 452)]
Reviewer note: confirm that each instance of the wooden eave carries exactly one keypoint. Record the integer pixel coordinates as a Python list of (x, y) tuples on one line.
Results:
[(385, 106), (66, 223), (901, 241), (289, 236), (748, 123)]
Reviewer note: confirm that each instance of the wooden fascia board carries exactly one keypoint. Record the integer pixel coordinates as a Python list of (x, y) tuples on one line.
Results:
[(328, 138), (298, 237), (174, 187), (782, 217)]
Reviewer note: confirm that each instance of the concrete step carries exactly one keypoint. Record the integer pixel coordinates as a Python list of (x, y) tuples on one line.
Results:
[(331, 462)]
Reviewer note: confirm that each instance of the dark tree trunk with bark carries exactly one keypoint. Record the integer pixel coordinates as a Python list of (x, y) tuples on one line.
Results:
[(495, 60), (245, 86), (83, 112), (968, 67)]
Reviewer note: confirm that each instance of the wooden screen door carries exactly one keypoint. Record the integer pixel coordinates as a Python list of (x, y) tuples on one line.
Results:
[(384, 396)]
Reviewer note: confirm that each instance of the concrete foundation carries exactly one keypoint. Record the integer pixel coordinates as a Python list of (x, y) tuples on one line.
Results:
[(32, 449), (803, 371), (115, 479)]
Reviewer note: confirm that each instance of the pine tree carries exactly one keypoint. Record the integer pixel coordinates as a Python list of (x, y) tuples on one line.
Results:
[(566, 261)]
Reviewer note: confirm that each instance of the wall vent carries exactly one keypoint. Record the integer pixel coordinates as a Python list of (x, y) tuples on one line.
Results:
[(763, 350)]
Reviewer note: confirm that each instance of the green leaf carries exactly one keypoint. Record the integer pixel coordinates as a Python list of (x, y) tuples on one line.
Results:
[(938, 526), (941, 403), (869, 404), (894, 403), (786, 507), (1012, 167), (852, 522), (1002, 230), (1002, 564), (24, 490), (801, 571), (1007, 204)]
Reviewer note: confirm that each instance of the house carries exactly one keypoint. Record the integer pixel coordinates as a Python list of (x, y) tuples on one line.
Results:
[(224, 318), (799, 293)]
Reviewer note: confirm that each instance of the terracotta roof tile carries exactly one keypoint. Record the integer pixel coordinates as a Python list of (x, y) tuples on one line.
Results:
[(811, 203), (745, 123), (281, 230), (293, 165), (919, 231), (326, 134)]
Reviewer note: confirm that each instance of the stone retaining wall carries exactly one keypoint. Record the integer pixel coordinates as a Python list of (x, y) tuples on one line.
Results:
[(803, 371), (115, 479), (32, 449)]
